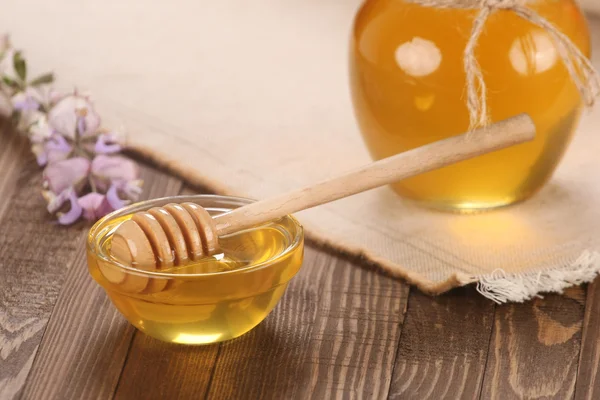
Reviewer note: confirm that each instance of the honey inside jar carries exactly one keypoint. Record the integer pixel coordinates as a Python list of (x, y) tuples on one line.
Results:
[(209, 300), (408, 87)]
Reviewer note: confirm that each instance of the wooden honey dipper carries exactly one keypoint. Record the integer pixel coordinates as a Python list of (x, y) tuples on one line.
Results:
[(176, 233)]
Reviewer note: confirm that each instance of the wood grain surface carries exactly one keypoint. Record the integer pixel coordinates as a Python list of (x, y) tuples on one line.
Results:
[(157, 370), (588, 374), (35, 255), (534, 350), (444, 346), (14, 154), (340, 331)]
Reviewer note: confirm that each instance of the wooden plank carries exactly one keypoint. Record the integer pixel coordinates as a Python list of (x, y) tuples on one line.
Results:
[(535, 347), (158, 370), (35, 253), (334, 334), (588, 374), (14, 155), (86, 341), (15, 162), (444, 346)]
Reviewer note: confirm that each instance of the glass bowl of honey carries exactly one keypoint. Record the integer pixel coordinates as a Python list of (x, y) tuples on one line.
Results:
[(210, 300)]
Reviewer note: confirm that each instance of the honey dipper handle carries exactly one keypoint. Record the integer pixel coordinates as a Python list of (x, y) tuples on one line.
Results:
[(435, 155)]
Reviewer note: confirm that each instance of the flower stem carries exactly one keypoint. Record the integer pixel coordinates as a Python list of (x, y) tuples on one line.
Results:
[(92, 184)]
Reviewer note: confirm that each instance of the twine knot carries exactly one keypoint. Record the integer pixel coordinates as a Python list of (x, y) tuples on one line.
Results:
[(580, 68)]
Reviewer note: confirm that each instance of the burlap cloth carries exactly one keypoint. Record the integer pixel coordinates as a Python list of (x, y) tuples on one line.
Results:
[(251, 98)]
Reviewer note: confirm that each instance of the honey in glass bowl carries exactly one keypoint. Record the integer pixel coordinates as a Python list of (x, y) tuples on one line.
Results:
[(210, 300), (408, 89)]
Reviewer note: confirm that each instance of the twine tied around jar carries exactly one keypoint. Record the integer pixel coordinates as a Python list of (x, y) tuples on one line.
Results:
[(578, 65)]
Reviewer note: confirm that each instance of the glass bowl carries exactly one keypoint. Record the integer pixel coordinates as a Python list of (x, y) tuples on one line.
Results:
[(214, 301)]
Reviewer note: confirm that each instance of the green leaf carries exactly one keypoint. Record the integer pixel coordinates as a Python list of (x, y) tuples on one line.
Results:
[(9, 82), (43, 79), (20, 66)]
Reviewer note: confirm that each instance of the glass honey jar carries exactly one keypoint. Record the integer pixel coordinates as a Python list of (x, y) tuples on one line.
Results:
[(408, 85)]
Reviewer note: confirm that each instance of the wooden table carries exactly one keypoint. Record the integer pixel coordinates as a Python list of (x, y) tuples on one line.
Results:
[(342, 330)]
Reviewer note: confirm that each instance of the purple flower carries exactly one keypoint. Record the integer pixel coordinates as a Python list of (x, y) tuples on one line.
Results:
[(118, 176), (40, 154), (56, 148), (115, 175), (55, 202), (114, 199), (107, 170), (74, 212), (74, 116), (65, 138), (107, 144), (95, 205), (44, 145), (72, 128), (45, 95), (122, 193), (63, 179), (24, 102), (40, 130), (27, 103), (65, 174)]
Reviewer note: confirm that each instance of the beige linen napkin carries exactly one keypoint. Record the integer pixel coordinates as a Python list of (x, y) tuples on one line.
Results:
[(591, 5), (251, 98)]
